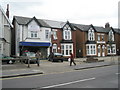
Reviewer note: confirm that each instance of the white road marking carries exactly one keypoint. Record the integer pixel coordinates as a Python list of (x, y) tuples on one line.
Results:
[(117, 73), (69, 83)]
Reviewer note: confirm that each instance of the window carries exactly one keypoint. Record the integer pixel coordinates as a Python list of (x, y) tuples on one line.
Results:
[(111, 49), (67, 32), (34, 34), (111, 36), (102, 37), (66, 49), (54, 48), (47, 34), (91, 36), (91, 49), (87, 48), (54, 35), (98, 37), (62, 49)]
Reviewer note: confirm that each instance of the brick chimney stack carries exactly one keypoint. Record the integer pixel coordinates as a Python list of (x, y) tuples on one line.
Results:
[(7, 12), (107, 25)]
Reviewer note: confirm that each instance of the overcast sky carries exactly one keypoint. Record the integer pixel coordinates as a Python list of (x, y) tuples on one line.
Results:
[(96, 12)]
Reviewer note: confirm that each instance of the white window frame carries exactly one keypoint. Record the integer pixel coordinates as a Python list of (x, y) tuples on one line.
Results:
[(91, 35), (67, 35), (91, 49), (54, 48), (111, 36), (67, 49), (46, 34), (54, 35), (109, 49), (33, 34)]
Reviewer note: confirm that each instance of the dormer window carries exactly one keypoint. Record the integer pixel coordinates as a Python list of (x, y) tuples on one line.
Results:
[(67, 33), (111, 36), (91, 35)]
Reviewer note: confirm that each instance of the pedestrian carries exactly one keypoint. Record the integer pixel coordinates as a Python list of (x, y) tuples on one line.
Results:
[(72, 59), (38, 55)]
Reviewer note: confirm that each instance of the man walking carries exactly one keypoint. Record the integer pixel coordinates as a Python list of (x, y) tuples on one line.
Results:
[(72, 59), (38, 55)]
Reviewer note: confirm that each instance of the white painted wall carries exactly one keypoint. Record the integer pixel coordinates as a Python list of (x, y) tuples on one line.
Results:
[(5, 33), (22, 34)]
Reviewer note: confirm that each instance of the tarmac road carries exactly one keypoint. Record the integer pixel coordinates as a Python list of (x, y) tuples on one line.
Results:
[(102, 77)]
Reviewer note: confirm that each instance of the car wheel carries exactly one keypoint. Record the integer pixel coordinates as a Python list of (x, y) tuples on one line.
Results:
[(61, 60)]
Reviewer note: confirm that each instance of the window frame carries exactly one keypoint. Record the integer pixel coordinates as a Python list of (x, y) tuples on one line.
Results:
[(91, 34), (67, 33), (91, 49), (67, 49), (46, 34)]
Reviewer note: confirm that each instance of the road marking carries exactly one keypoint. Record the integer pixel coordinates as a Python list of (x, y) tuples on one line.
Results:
[(117, 73), (69, 83)]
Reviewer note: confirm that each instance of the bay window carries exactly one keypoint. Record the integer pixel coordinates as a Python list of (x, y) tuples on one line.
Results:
[(91, 49), (66, 49)]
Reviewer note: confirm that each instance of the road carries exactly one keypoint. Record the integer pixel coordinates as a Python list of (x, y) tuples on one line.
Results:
[(102, 77)]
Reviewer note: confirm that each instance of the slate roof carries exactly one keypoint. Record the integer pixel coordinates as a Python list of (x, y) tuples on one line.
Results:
[(25, 21), (82, 27), (100, 29), (87, 27), (117, 30), (55, 24), (59, 24)]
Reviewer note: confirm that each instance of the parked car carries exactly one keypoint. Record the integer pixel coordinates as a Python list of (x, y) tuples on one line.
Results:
[(56, 57), (29, 56), (7, 59)]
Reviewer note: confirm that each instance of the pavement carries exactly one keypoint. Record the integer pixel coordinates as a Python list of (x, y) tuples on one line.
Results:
[(47, 67)]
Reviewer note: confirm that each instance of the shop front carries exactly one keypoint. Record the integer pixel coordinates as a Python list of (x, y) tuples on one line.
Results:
[(43, 47)]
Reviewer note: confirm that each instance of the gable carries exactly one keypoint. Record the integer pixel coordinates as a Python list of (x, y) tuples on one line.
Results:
[(66, 27), (33, 26)]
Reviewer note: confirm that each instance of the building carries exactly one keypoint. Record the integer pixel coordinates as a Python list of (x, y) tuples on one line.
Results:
[(31, 34), (48, 36), (63, 37), (5, 32), (95, 41)]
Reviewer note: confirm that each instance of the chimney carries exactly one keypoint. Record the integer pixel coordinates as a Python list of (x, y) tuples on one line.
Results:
[(107, 25), (7, 12)]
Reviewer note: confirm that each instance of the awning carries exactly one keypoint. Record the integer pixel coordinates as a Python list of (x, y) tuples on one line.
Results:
[(34, 44)]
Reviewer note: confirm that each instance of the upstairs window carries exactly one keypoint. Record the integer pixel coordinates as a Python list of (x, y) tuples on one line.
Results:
[(34, 34), (111, 36), (47, 34), (54, 35), (91, 35), (67, 33)]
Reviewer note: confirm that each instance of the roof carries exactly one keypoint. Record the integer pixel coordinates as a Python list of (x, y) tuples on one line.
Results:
[(87, 27), (55, 24), (100, 29), (82, 27), (26, 20), (6, 16), (117, 30)]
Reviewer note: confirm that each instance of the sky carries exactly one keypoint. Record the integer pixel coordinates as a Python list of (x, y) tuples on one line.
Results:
[(96, 12)]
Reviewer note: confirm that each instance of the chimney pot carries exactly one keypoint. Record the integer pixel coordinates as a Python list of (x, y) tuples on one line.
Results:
[(7, 11), (107, 25)]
